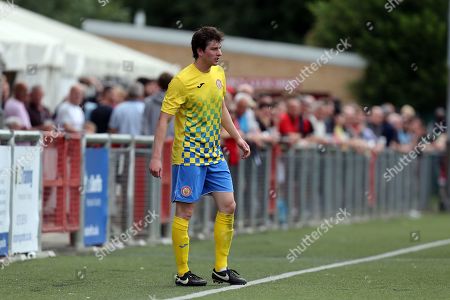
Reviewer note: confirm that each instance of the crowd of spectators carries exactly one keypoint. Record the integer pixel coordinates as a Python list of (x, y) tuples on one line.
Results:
[(307, 120), (93, 107), (89, 107)]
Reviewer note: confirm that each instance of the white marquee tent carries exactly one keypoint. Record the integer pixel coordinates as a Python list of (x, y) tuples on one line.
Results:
[(50, 53)]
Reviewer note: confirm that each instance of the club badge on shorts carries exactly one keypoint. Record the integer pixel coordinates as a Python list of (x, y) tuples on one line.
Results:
[(219, 84), (186, 191)]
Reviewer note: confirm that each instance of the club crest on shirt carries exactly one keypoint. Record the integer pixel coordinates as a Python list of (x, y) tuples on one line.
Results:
[(186, 191), (219, 84)]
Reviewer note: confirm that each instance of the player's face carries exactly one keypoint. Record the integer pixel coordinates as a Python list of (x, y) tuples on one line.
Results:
[(212, 53)]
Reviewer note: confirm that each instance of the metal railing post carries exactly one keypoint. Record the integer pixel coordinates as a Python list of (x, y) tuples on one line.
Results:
[(290, 186), (266, 182), (240, 195), (130, 183)]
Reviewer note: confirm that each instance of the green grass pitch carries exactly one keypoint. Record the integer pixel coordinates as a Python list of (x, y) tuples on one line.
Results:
[(147, 272)]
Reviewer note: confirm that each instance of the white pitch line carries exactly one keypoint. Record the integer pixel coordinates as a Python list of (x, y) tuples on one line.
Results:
[(317, 269)]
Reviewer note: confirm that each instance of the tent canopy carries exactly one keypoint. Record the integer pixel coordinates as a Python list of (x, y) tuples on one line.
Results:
[(30, 38)]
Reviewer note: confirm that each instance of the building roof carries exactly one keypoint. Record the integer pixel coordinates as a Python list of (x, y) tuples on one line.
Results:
[(231, 44)]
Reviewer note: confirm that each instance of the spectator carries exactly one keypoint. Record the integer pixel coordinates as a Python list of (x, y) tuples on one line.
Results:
[(153, 105), (440, 140), (381, 128), (278, 110), (340, 136), (16, 106), (121, 95), (5, 90), (102, 114), (13, 123), (264, 118), (151, 86), (407, 112), (330, 113), (244, 113), (247, 89), (403, 136), (418, 131), (361, 138), (362, 130), (305, 126), (289, 125), (439, 118), (317, 119), (69, 114), (39, 114), (388, 108), (246, 118), (92, 87), (127, 116), (89, 127)]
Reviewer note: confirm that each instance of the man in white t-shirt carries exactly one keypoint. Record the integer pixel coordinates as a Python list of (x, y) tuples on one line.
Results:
[(70, 115)]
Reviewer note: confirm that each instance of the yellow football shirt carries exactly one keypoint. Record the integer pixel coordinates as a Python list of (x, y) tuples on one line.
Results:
[(195, 99)]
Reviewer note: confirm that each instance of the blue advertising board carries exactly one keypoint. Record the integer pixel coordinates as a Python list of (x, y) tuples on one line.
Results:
[(3, 244), (96, 196)]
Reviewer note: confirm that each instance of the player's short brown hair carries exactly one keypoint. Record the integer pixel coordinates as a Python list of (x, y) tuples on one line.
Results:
[(203, 36)]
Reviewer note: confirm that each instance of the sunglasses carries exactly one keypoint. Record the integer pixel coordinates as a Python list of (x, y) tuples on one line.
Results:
[(263, 105)]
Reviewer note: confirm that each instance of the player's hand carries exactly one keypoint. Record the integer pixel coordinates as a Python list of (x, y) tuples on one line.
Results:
[(244, 147), (155, 167)]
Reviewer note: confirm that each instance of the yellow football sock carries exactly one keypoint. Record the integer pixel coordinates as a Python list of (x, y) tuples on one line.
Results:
[(180, 243), (223, 234)]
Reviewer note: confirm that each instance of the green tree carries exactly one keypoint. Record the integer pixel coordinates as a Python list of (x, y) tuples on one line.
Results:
[(404, 43), (74, 12), (283, 20)]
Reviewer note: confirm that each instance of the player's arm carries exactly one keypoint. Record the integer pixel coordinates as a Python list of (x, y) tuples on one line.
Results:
[(172, 101), (160, 135), (227, 123)]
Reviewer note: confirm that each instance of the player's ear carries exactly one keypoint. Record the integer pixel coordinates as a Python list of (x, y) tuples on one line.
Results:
[(200, 52)]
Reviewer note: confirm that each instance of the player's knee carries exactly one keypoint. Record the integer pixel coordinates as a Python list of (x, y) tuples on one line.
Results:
[(185, 211), (186, 214), (229, 207)]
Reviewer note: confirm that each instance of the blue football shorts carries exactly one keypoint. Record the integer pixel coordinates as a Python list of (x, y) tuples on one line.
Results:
[(189, 183)]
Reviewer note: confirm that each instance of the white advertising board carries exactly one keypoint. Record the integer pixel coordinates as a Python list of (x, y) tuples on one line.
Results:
[(25, 203)]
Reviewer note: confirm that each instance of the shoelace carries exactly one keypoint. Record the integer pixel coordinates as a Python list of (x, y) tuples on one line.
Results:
[(234, 272)]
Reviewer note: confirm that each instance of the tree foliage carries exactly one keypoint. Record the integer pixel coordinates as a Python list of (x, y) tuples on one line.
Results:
[(404, 43), (283, 20), (76, 11)]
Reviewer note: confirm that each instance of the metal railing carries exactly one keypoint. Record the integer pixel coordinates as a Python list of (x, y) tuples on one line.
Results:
[(289, 188)]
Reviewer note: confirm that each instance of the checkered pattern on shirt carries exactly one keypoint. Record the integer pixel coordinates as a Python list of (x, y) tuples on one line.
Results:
[(201, 145)]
